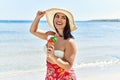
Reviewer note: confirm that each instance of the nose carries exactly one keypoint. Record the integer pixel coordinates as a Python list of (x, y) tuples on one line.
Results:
[(59, 19)]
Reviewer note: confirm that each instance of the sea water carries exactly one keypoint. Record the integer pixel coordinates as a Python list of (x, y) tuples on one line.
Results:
[(97, 43)]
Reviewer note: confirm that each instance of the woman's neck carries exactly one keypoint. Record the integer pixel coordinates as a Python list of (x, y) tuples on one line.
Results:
[(60, 33)]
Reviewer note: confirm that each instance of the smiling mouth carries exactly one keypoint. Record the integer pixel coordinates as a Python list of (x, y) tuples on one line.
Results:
[(58, 23)]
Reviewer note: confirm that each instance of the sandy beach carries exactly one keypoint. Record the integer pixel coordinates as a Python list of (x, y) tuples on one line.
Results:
[(40, 76), (111, 72)]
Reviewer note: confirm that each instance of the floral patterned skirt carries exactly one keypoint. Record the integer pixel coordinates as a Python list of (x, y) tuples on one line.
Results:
[(54, 72)]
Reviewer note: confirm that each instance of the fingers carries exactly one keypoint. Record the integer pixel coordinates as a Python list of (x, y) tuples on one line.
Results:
[(50, 49), (50, 45), (40, 13)]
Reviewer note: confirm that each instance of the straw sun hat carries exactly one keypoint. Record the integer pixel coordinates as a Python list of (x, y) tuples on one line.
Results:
[(50, 15)]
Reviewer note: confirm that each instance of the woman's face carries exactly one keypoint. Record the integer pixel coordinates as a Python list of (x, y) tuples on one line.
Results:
[(60, 21)]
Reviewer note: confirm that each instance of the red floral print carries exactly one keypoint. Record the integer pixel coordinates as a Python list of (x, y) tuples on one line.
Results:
[(54, 72)]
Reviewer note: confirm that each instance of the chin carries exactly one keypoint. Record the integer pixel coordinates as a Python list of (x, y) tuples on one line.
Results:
[(59, 28)]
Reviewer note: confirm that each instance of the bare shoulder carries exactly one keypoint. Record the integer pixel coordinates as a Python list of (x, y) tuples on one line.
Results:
[(70, 43)]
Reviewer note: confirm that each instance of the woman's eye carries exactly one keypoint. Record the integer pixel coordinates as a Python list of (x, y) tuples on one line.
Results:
[(57, 16), (63, 17)]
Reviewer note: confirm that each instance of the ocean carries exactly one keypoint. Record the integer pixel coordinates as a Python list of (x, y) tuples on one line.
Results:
[(97, 43)]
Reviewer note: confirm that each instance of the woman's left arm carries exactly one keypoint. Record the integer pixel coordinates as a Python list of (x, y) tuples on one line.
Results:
[(69, 56)]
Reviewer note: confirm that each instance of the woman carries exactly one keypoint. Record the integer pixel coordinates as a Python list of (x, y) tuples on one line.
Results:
[(60, 55)]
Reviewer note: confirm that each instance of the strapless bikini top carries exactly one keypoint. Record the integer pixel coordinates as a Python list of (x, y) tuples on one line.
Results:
[(58, 53)]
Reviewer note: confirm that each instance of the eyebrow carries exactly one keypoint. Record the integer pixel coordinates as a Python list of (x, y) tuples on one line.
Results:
[(62, 15)]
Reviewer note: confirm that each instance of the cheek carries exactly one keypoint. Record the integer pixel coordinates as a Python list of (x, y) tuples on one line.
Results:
[(64, 23)]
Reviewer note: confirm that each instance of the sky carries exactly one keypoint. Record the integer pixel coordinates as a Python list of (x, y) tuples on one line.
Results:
[(81, 9)]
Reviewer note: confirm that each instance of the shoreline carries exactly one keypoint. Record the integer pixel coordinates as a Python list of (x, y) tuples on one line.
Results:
[(110, 72)]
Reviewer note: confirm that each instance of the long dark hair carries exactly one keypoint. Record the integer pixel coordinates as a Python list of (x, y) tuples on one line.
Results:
[(67, 31)]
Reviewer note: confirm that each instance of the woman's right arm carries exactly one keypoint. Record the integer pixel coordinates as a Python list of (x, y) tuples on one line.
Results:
[(34, 27)]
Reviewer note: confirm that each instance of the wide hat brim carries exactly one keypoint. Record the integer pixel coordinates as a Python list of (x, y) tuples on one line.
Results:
[(50, 15)]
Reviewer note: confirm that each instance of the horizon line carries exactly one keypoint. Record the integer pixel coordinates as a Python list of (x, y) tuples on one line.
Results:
[(21, 20)]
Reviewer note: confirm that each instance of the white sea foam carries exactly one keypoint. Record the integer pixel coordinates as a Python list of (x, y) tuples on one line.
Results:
[(97, 64)]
